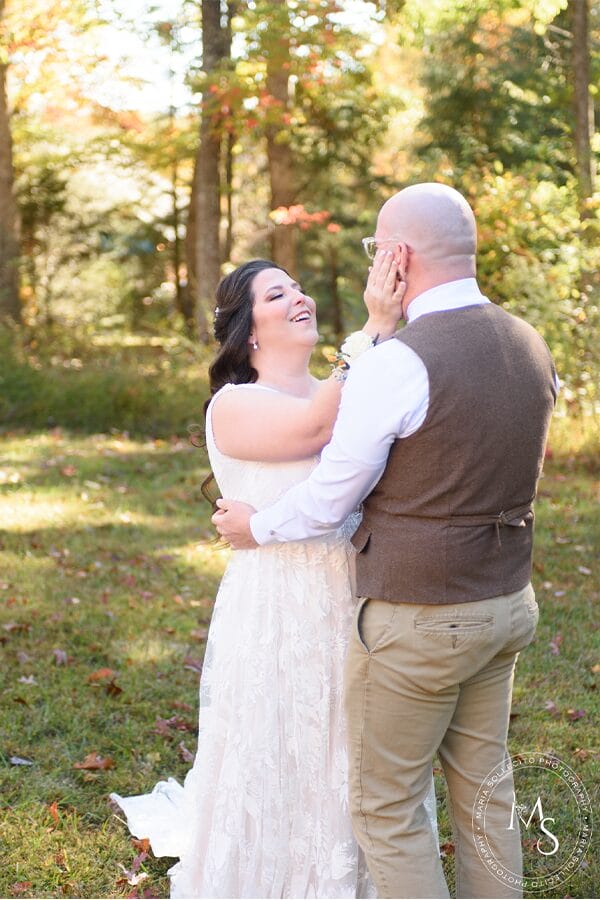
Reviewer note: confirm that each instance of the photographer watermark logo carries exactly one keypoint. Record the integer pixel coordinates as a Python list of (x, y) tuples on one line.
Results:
[(550, 809)]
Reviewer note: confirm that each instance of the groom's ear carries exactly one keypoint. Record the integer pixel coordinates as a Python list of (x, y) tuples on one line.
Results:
[(402, 256)]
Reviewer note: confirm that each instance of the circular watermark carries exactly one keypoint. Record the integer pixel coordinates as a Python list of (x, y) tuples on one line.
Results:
[(540, 797)]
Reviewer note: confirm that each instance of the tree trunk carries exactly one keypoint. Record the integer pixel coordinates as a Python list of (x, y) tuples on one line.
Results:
[(10, 306), (226, 250), (228, 186), (205, 270), (179, 287), (582, 101), (191, 287), (336, 300), (279, 153)]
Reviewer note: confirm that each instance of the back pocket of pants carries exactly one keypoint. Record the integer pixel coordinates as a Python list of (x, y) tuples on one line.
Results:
[(454, 630)]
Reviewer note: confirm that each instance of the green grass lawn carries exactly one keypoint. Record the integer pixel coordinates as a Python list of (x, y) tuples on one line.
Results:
[(107, 578)]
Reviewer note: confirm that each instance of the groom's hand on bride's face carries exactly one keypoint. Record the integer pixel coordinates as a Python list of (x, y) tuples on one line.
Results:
[(232, 521)]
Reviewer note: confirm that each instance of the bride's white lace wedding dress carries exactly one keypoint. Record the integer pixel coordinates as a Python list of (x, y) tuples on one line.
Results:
[(264, 810)]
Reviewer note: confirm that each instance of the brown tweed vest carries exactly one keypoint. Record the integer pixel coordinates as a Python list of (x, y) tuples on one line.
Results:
[(450, 521)]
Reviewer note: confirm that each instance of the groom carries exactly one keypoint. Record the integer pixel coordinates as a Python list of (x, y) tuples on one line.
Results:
[(441, 432)]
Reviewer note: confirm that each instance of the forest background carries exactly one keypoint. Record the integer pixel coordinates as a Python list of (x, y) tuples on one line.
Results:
[(148, 148), (156, 146)]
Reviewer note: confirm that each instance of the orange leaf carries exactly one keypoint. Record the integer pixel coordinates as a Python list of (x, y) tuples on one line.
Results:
[(53, 810), (95, 761), (143, 845), (101, 674)]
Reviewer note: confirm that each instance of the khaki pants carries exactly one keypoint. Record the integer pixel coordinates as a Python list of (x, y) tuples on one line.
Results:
[(421, 680)]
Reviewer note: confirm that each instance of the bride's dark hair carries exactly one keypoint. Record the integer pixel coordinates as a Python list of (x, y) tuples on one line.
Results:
[(233, 326)]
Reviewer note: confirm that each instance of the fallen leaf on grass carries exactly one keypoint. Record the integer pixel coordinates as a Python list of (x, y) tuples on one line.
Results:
[(143, 845), (53, 810), (61, 860), (27, 679), (194, 665), (139, 859), (184, 753), (131, 878), (596, 669), (199, 634), (101, 675), (16, 626), (584, 570), (113, 689), (555, 644), (551, 707), (60, 657), (19, 761), (574, 714), (578, 753), (20, 700), (19, 887), (68, 471), (179, 704), (95, 761), (447, 849), (163, 727), (58, 553)]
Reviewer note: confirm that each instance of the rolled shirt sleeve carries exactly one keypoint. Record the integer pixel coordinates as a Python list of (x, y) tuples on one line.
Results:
[(385, 397)]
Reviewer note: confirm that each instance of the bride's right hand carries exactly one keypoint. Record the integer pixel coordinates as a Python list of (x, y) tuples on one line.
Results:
[(384, 293)]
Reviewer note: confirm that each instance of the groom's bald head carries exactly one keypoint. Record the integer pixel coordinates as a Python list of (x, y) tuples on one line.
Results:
[(435, 221)]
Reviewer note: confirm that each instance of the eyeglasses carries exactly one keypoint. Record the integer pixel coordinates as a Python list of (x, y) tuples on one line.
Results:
[(370, 244)]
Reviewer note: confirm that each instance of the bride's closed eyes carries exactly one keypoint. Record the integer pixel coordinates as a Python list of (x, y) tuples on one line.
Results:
[(280, 291)]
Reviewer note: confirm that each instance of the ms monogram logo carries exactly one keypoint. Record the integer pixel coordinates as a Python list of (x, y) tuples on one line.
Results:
[(521, 811), (547, 861)]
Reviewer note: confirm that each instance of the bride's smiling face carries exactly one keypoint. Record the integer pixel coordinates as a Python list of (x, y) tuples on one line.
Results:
[(282, 313)]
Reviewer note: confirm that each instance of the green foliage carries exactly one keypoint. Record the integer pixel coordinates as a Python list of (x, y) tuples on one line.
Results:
[(150, 386), (499, 86), (535, 259), (379, 96)]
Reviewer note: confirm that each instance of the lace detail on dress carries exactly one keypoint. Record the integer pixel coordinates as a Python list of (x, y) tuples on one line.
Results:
[(264, 810)]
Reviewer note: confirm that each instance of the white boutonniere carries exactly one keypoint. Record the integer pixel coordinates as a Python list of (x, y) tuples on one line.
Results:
[(355, 345)]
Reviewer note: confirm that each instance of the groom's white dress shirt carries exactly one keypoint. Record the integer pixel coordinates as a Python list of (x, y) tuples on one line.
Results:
[(385, 397)]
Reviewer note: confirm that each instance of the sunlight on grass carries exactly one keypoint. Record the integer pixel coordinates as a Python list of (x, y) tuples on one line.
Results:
[(150, 650), (27, 511), (206, 558), (108, 564)]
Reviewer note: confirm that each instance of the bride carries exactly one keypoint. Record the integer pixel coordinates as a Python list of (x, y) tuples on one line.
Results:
[(264, 810)]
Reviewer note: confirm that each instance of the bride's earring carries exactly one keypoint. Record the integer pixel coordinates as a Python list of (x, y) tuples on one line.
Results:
[(255, 345)]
